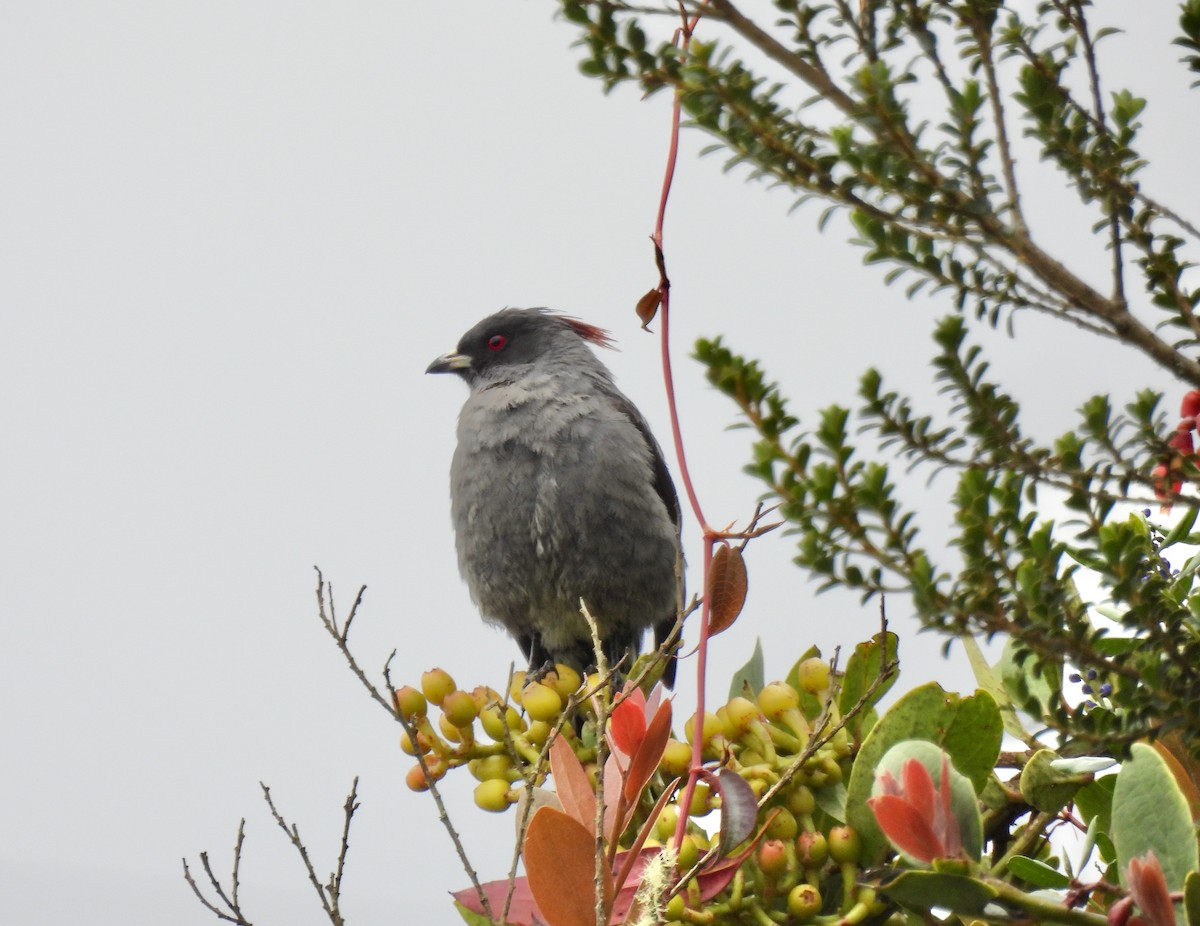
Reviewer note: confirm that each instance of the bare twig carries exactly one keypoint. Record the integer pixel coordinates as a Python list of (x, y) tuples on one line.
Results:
[(233, 911), (330, 894)]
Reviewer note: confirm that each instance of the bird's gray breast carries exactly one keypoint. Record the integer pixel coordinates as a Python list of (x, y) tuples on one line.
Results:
[(552, 500)]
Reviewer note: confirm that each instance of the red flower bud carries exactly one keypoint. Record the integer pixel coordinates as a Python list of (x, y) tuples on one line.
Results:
[(1190, 406)]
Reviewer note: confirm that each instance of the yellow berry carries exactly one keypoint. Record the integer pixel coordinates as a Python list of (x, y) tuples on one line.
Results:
[(565, 680), (449, 730), (673, 911), (538, 732), (664, 826), (497, 766), (517, 686), (777, 699), (689, 852), (813, 674), (460, 709), (712, 726), (804, 902), (845, 845), (493, 795), (541, 702), (410, 703), (701, 801), (676, 759), (742, 713), (406, 744), (436, 684), (495, 718)]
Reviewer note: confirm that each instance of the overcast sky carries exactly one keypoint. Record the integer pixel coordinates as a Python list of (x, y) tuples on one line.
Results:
[(232, 236)]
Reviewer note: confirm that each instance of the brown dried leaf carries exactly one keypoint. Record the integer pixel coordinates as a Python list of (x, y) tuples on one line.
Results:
[(647, 306), (727, 585), (575, 792), (560, 862)]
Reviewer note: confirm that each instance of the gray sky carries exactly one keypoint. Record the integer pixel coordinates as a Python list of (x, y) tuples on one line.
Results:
[(232, 236)]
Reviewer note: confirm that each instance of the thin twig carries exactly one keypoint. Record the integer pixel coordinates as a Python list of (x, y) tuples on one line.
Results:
[(293, 833), (232, 912)]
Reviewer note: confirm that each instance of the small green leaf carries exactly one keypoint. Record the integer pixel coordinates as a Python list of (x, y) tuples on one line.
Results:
[(862, 669), (1046, 787), (832, 800), (989, 680), (748, 681), (1037, 873)]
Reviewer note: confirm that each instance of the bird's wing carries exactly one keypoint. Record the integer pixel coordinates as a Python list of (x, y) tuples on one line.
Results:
[(665, 487)]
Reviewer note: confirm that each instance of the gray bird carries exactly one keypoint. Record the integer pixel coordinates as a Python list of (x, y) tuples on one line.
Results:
[(559, 492)]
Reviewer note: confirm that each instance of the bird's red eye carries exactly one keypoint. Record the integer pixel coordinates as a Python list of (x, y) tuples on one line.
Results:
[(497, 342)]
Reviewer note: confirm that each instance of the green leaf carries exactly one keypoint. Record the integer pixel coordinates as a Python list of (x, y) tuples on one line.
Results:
[(1037, 873), (989, 680), (923, 890), (973, 737), (1181, 530), (749, 677), (1150, 814), (832, 800), (862, 670), (1191, 898), (471, 918), (1026, 683), (1047, 787)]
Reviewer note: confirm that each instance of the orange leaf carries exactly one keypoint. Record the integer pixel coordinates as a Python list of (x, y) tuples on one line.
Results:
[(627, 723), (726, 592), (560, 862), (575, 792), (905, 827), (647, 306), (649, 753)]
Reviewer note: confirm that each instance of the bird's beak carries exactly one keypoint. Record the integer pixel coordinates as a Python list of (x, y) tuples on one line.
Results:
[(450, 363)]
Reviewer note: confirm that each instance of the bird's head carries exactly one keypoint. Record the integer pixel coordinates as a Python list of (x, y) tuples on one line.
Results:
[(512, 340)]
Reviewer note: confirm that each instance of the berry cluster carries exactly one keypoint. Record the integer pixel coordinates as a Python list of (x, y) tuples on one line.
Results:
[(512, 738), (803, 865)]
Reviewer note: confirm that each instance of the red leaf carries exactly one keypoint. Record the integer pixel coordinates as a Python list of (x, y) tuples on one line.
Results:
[(1148, 885), (906, 828), (571, 783), (727, 585), (649, 753), (560, 858), (521, 912), (918, 788), (627, 724)]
